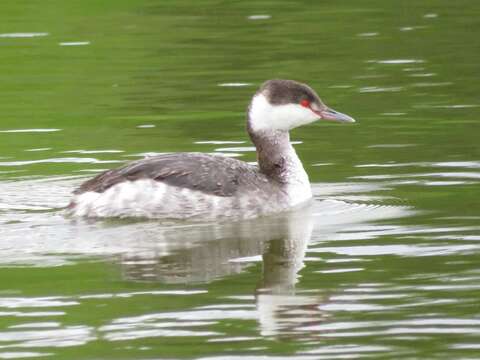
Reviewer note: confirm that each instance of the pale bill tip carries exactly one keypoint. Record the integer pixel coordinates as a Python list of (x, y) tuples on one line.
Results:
[(337, 116)]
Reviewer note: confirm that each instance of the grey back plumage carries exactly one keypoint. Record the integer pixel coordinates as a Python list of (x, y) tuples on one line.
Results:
[(215, 175)]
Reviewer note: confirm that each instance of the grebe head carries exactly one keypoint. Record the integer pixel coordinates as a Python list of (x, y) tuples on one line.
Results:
[(281, 105)]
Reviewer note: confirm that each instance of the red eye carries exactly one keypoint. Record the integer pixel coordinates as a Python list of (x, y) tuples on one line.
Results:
[(305, 103)]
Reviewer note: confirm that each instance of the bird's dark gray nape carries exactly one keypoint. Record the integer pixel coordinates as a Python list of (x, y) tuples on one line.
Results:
[(281, 92)]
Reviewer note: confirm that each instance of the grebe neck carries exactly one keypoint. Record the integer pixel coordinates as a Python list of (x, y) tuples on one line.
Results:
[(277, 158)]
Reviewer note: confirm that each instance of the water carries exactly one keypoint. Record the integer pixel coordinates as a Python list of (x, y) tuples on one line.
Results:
[(384, 264)]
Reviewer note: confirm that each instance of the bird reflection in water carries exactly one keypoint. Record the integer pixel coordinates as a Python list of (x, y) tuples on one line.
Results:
[(220, 250)]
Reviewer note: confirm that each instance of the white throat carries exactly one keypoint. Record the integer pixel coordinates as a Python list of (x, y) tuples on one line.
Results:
[(264, 116), (296, 178), (276, 156)]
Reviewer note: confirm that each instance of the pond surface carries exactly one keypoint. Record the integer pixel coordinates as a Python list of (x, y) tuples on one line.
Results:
[(383, 264)]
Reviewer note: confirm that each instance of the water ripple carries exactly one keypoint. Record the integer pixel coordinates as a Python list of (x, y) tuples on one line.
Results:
[(29, 130), (374, 89), (58, 160), (459, 175), (74, 43), (399, 250), (259, 17), (22, 354), (19, 302), (234, 84), (93, 151), (399, 61), (62, 337), (448, 164), (237, 149), (23, 35), (368, 34), (218, 142)]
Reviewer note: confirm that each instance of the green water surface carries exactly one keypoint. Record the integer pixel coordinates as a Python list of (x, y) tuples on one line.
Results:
[(385, 266)]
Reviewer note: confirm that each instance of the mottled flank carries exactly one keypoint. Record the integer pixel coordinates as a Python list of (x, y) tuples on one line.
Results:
[(181, 186), (214, 175)]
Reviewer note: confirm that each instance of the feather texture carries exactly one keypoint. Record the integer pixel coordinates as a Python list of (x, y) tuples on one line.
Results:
[(210, 174)]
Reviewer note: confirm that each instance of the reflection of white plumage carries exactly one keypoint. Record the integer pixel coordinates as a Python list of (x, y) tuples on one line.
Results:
[(184, 253), (275, 295), (227, 248), (186, 185)]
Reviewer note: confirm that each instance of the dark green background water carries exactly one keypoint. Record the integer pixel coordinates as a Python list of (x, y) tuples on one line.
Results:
[(391, 269)]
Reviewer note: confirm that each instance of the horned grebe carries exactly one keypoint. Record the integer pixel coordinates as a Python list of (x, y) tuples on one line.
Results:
[(186, 185)]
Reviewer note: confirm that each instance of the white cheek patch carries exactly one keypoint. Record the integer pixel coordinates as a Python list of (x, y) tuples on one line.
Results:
[(265, 116)]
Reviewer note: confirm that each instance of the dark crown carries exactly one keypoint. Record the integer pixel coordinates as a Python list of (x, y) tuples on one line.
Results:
[(281, 92)]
